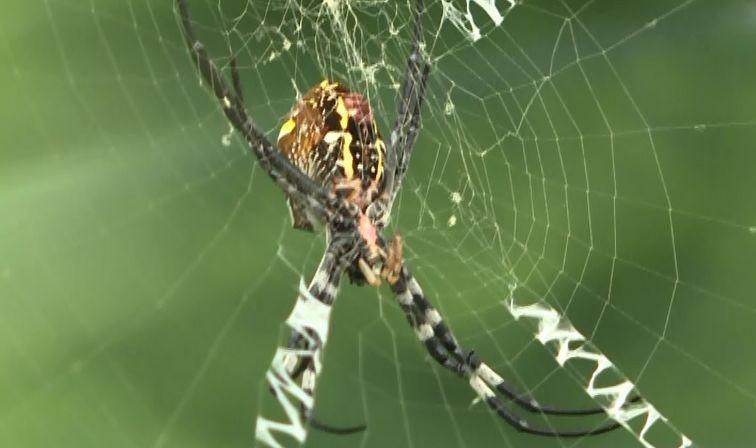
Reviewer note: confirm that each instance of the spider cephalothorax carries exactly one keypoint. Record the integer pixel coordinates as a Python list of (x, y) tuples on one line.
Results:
[(335, 169)]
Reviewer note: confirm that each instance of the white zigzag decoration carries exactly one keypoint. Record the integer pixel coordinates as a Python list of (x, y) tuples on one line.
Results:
[(556, 332)]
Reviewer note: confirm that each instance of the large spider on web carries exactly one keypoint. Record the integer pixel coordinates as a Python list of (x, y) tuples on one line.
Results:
[(336, 171)]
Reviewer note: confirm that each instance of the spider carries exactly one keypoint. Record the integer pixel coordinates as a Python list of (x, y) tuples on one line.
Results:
[(336, 170)]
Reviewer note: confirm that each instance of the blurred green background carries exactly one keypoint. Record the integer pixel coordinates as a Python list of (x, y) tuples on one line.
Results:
[(603, 152)]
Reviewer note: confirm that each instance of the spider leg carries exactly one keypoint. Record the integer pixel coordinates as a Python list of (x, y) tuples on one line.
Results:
[(444, 336), (308, 383), (235, 80), (297, 366), (444, 348), (288, 177), (309, 330), (410, 102)]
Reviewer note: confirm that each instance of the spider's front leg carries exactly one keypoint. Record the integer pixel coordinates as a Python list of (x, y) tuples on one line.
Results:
[(441, 344), (289, 178), (410, 104)]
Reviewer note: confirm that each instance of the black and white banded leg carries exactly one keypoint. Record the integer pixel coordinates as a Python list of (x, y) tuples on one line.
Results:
[(410, 103), (309, 322), (289, 178), (441, 344), (303, 366)]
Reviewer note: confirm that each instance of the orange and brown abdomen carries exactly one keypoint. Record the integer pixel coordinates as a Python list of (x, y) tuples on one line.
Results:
[(331, 136)]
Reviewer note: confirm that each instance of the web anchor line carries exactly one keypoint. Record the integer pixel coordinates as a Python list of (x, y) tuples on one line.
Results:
[(556, 332)]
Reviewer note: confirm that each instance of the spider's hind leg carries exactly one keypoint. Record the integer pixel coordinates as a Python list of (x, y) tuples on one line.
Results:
[(303, 357), (441, 344)]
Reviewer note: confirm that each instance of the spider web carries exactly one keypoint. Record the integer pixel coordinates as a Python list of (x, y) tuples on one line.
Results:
[(593, 158)]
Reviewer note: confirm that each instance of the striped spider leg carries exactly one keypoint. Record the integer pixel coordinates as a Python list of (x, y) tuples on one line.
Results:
[(326, 205), (443, 347), (410, 103), (424, 318), (302, 356)]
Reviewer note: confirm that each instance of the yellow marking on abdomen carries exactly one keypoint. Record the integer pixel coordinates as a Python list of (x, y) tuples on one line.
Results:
[(287, 128), (343, 112), (346, 154)]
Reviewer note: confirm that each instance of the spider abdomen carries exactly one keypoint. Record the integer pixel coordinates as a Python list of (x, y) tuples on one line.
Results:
[(331, 135)]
